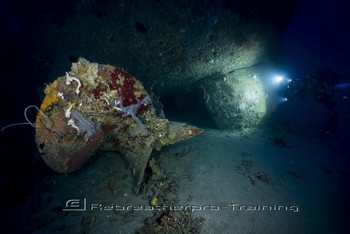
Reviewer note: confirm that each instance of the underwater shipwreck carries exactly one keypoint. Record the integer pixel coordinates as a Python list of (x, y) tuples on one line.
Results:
[(155, 116)]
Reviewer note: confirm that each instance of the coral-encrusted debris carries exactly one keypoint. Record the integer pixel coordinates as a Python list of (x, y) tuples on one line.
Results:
[(104, 108)]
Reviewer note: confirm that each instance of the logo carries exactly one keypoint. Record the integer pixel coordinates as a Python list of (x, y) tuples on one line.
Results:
[(78, 204)]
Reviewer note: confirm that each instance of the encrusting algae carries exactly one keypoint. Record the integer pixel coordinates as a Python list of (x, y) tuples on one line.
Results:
[(97, 106)]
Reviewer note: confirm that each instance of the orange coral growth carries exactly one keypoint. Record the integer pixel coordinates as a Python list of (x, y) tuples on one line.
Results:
[(51, 96), (195, 131)]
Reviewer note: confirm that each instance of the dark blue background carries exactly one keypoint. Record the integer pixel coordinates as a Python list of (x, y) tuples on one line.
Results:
[(319, 37)]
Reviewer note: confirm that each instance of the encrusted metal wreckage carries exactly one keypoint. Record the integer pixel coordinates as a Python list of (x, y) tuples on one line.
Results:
[(97, 106)]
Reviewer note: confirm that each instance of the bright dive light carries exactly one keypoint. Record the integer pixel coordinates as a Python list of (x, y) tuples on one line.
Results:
[(277, 79), (281, 100)]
